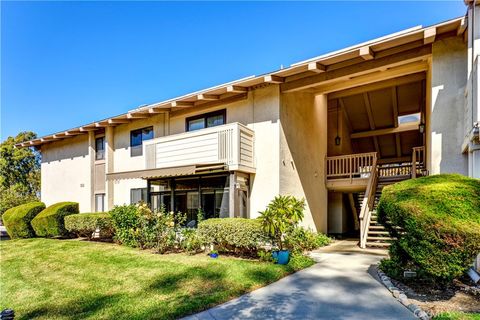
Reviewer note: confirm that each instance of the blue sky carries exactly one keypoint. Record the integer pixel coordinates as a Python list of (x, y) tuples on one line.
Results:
[(64, 64)]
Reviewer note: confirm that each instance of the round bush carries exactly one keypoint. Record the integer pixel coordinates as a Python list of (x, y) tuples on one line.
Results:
[(17, 219), (439, 217), (233, 234), (50, 222), (85, 224)]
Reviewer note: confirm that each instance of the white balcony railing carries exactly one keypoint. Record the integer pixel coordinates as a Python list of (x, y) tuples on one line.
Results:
[(231, 144)]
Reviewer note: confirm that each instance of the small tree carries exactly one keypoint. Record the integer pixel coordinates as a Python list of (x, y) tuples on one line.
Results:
[(282, 213)]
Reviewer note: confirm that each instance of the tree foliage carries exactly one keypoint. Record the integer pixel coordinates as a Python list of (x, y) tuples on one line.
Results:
[(19, 172)]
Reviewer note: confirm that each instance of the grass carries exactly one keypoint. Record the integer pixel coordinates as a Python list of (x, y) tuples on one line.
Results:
[(457, 316), (71, 279)]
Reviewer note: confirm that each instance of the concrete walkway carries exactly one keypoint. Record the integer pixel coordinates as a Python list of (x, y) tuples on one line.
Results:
[(340, 286)]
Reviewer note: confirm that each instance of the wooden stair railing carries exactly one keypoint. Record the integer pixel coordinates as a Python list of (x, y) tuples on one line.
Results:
[(350, 166), (367, 205)]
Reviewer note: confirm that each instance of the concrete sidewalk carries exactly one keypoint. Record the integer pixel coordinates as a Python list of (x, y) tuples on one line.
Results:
[(339, 286)]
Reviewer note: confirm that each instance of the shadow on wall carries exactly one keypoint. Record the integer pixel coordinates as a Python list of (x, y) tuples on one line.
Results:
[(449, 69), (67, 149)]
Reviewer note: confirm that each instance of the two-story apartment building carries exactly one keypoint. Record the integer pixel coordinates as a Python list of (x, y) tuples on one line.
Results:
[(331, 129)]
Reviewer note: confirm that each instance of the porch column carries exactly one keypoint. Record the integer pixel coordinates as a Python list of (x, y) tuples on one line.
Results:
[(233, 198), (320, 105), (109, 167), (91, 155)]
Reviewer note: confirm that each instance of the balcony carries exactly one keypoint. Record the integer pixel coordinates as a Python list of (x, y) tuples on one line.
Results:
[(230, 145)]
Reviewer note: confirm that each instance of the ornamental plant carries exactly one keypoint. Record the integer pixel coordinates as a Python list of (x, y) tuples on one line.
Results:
[(282, 214)]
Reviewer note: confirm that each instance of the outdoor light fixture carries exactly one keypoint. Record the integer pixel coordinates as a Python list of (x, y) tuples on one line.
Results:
[(337, 138), (421, 128)]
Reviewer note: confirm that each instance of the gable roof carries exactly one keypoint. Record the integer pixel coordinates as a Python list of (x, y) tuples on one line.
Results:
[(227, 92)]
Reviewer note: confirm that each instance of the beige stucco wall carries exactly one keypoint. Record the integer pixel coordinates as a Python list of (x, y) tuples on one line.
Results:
[(303, 147), (66, 172), (448, 81)]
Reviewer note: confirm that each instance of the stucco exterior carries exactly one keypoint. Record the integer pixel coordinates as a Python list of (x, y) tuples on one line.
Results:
[(294, 132)]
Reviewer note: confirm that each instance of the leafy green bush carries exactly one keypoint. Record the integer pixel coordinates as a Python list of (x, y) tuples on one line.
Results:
[(50, 222), (125, 221), (282, 213), (299, 240), (300, 261), (190, 241), (85, 224), (17, 219), (439, 218), (232, 234)]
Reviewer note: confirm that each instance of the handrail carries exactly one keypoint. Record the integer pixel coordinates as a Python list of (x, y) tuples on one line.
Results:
[(418, 160), (351, 165), (367, 205)]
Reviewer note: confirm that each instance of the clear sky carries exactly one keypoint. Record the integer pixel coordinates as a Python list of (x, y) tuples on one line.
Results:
[(64, 64)]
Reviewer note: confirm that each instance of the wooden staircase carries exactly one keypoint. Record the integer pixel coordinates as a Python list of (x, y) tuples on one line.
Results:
[(377, 235)]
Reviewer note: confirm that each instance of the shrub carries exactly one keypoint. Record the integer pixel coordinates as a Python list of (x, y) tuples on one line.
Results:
[(282, 213), (125, 221), (439, 218), (232, 234), (50, 222), (300, 261), (299, 240), (85, 224), (190, 241), (17, 219)]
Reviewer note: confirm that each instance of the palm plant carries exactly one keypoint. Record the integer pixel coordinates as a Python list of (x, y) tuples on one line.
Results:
[(282, 213)]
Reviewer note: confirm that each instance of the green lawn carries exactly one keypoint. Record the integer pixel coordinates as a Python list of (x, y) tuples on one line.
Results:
[(457, 316), (71, 279)]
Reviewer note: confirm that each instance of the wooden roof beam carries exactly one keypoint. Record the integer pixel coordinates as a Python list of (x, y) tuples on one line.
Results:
[(366, 53), (371, 122), (395, 106), (236, 89), (207, 97), (412, 126), (273, 79), (118, 121), (156, 110), (429, 35), (182, 104), (137, 115), (359, 69), (316, 67), (462, 27), (88, 128), (398, 145)]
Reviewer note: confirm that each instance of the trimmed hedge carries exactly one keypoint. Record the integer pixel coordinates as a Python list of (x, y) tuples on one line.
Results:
[(50, 222), (232, 234), (85, 224), (17, 219), (440, 220)]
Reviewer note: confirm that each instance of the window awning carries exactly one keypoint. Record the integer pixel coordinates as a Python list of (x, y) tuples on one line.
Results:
[(167, 172)]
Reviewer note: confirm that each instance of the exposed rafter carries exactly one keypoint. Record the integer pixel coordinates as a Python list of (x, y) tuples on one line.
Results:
[(371, 121), (207, 97), (273, 79), (380, 132), (366, 67), (366, 53), (316, 67), (429, 35), (236, 89)]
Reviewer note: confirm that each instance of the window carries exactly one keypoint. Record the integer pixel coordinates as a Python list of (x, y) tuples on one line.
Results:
[(408, 118), (136, 139), (206, 120), (100, 148), (137, 195), (100, 202)]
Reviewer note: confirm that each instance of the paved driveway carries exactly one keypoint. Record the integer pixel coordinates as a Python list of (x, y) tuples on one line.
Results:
[(340, 286)]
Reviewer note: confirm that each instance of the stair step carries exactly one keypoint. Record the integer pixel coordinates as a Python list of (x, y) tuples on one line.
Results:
[(377, 232), (376, 227), (378, 244), (379, 238)]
